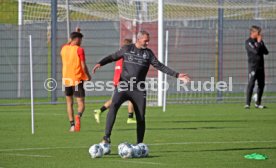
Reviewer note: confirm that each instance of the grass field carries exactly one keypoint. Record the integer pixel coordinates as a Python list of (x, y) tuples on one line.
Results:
[(215, 136)]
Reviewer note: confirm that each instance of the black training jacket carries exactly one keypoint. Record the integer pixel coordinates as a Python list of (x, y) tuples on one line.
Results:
[(136, 63), (255, 52)]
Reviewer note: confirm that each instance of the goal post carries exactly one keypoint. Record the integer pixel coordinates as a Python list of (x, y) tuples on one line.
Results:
[(20, 22), (68, 25), (54, 29), (160, 48)]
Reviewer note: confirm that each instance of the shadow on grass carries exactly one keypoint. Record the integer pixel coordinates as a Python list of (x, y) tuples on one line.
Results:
[(159, 129), (166, 128), (207, 121), (240, 149), (222, 150), (115, 155)]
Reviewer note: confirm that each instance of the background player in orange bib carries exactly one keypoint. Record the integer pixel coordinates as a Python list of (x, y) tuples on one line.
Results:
[(74, 73)]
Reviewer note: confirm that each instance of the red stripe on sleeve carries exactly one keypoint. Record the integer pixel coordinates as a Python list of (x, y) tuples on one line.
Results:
[(81, 54)]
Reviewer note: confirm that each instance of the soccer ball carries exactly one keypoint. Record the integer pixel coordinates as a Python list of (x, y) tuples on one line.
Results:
[(255, 97), (96, 151), (125, 150), (121, 145), (137, 151), (144, 148), (106, 148)]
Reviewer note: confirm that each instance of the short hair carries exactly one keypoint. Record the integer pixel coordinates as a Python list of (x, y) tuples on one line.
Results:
[(127, 41), (257, 28), (142, 33), (74, 35)]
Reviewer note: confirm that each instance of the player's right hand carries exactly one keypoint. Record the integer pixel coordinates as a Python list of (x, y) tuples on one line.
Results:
[(184, 77), (89, 77), (259, 38), (96, 67)]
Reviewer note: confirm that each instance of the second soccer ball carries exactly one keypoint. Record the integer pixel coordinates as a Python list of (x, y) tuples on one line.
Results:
[(125, 150)]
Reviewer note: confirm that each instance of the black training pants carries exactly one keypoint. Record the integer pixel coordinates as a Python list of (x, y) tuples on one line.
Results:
[(138, 99), (254, 75)]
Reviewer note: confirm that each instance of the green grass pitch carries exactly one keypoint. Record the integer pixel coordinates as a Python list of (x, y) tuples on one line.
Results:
[(192, 136)]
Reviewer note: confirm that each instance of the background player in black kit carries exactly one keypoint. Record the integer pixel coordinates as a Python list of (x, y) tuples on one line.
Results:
[(256, 50), (137, 59)]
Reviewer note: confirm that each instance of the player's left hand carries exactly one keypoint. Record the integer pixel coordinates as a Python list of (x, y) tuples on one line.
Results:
[(96, 67), (184, 77)]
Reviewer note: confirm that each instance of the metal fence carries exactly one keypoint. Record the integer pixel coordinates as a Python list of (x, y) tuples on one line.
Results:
[(193, 48)]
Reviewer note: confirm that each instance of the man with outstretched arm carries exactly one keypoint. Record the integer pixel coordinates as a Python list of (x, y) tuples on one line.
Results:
[(137, 59)]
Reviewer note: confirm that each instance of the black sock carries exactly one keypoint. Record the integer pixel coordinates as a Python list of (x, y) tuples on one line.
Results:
[(107, 138), (130, 115), (72, 123), (80, 114), (103, 108)]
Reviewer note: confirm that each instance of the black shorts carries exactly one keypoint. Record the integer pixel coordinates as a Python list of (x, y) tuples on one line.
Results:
[(77, 91)]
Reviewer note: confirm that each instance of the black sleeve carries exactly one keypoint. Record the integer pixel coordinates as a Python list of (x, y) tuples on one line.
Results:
[(264, 49), (161, 67), (255, 47), (251, 48), (113, 57)]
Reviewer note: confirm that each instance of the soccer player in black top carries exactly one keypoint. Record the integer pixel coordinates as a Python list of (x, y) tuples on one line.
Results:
[(256, 50), (137, 59)]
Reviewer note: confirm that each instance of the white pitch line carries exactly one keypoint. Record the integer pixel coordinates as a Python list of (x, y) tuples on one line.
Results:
[(229, 142), (26, 155), (128, 161), (46, 148), (55, 114), (154, 144), (46, 114)]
